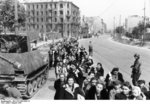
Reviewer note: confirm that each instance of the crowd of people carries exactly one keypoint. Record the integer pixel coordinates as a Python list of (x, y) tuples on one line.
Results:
[(77, 77)]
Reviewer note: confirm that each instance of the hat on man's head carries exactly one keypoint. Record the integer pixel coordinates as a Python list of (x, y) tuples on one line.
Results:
[(141, 81), (137, 55), (115, 69)]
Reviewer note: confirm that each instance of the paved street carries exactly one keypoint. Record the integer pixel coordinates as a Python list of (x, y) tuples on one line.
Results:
[(110, 54)]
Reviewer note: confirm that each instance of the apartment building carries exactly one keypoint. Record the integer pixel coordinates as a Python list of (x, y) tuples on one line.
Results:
[(58, 16)]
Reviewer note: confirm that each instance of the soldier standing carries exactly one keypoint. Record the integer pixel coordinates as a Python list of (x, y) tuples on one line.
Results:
[(136, 70), (50, 53), (90, 49)]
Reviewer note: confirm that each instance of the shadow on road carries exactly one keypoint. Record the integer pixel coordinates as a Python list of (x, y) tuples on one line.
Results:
[(51, 87), (51, 79)]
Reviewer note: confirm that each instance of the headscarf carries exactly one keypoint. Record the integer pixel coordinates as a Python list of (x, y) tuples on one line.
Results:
[(138, 89)]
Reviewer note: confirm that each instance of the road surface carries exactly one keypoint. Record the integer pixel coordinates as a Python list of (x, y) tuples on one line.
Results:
[(110, 54)]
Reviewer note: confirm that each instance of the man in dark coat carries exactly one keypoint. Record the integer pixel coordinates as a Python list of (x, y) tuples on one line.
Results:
[(136, 70), (55, 55), (50, 53), (147, 94), (90, 49), (59, 83)]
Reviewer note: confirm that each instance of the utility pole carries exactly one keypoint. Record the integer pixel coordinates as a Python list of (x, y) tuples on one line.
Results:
[(114, 26), (144, 24), (120, 25), (16, 18)]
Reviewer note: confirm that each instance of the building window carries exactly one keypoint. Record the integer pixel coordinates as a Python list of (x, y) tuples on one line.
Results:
[(41, 12), (37, 6), (41, 6), (61, 12), (50, 5), (61, 19), (61, 5), (68, 12), (55, 19), (33, 6), (41, 19), (33, 13), (37, 13), (68, 5), (37, 19), (29, 6), (55, 6), (46, 6), (55, 12)]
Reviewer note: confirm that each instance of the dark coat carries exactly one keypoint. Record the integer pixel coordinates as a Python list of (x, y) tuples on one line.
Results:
[(122, 96), (55, 58), (67, 94), (92, 93), (58, 86), (136, 67), (100, 72), (50, 59), (147, 94), (90, 48)]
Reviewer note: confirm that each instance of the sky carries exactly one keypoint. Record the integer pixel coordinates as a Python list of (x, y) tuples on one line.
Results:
[(108, 9)]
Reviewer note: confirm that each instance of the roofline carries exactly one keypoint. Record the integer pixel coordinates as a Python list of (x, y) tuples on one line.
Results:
[(74, 5), (51, 2), (39, 2)]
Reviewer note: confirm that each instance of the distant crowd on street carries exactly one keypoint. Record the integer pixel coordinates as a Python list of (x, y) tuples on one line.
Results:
[(78, 79)]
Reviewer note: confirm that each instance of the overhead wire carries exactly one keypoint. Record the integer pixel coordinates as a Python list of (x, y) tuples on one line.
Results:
[(112, 3)]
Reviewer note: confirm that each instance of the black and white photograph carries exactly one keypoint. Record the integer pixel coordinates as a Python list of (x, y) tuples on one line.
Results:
[(74, 50)]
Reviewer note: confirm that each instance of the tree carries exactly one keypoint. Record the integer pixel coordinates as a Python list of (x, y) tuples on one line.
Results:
[(139, 30), (120, 29), (136, 32), (7, 14)]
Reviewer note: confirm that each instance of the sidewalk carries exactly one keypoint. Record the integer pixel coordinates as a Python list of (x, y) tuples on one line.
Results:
[(134, 42)]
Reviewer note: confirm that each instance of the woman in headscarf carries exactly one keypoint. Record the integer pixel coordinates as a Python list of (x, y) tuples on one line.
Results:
[(137, 94)]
